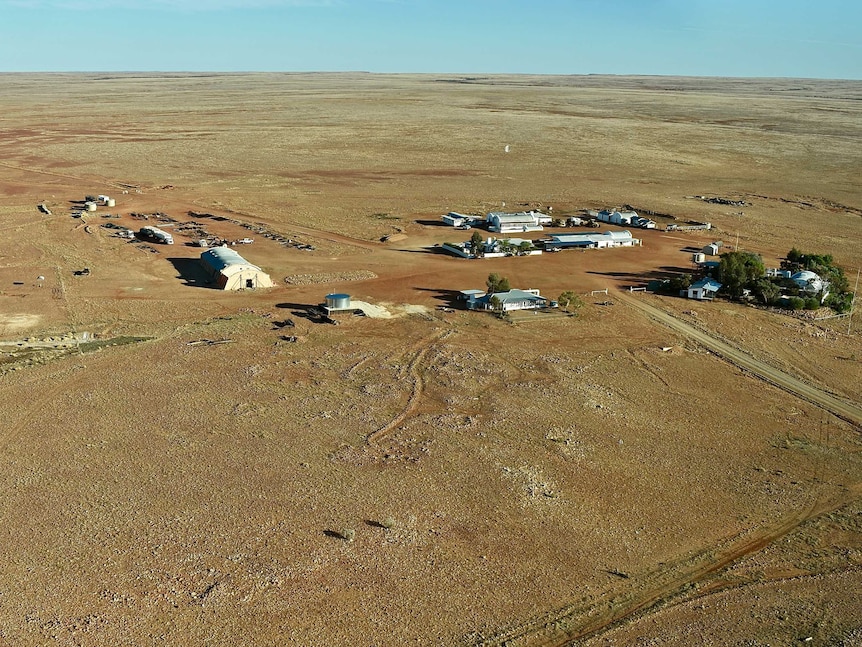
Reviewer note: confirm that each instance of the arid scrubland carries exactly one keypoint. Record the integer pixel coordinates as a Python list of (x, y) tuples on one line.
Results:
[(176, 471)]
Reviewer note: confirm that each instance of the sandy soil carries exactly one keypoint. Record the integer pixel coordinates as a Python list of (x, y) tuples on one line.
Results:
[(184, 474)]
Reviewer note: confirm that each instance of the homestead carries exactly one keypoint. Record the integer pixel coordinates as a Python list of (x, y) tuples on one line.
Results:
[(230, 271), (505, 301), (595, 241)]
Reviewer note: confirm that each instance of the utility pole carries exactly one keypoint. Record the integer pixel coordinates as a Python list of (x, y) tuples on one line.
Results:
[(853, 301)]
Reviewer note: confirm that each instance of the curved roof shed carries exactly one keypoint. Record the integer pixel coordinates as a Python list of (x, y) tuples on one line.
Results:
[(808, 281), (230, 271)]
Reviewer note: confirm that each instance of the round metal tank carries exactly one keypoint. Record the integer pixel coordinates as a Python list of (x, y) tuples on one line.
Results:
[(91, 206), (112, 202), (338, 301), (700, 257)]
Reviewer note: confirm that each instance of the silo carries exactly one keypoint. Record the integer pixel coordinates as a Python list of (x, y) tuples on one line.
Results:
[(91, 206), (700, 257), (337, 301), (111, 202)]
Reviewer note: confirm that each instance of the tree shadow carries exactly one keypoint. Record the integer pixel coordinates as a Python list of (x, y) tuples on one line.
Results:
[(192, 272), (312, 312), (449, 298)]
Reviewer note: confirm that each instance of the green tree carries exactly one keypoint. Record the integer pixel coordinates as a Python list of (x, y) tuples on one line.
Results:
[(569, 301), (738, 271), (840, 302), (795, 256), (476, 241), (525, 246), (497, 283), (496, 304), (767, 291)]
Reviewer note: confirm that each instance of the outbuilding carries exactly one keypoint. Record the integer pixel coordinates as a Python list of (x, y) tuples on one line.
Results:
[(230, 271), (515, 222), (703, 290), (455, 219), (605, 239)]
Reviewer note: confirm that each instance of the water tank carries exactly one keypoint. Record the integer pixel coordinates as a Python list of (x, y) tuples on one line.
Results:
[(91, 206), (338, 301), (111, 202), (700, 257)]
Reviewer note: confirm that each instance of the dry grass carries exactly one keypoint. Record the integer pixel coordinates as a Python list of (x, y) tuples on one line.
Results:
[(167, 492)]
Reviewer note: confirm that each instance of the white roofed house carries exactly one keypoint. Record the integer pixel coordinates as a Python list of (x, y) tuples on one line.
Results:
[(703, 290), (230, 271), (505, 301)]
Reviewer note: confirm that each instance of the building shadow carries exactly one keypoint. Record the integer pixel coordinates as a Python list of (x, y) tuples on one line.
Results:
[(427, 250), (297, 306), (192, 272)]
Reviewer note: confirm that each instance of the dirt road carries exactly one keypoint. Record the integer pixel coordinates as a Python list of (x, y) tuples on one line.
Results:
[(565, 627), (837, 406)]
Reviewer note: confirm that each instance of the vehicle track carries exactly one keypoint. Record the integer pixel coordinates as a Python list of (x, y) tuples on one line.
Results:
[(831, 403), (575, 622), (420, 350), (564, 627)]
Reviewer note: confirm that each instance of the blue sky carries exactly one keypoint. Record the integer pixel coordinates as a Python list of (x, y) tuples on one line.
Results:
[(797, 38)]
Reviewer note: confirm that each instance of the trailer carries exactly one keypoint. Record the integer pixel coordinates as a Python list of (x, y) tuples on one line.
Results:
[(155, 234)]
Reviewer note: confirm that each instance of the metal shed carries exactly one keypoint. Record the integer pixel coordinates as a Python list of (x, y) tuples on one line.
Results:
[(230, 271)]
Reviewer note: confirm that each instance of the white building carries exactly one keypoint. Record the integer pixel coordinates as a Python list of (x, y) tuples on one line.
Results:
[(811, 283), (623, 218), (505, 301), (455, 219), (493, 248), (508, 223), (703, 290), (712, 249), (616, 217), (230, 271), (596, 241)]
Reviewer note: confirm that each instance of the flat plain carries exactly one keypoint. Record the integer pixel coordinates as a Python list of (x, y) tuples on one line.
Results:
[(428, 477)]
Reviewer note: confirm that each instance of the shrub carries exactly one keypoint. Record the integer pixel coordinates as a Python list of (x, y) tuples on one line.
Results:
[(840, 303), (796, 303), (347, 534)]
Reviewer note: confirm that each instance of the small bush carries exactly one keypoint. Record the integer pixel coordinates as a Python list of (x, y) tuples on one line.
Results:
[(388, 523), (795, 303), (812, 303), (348, 534)]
